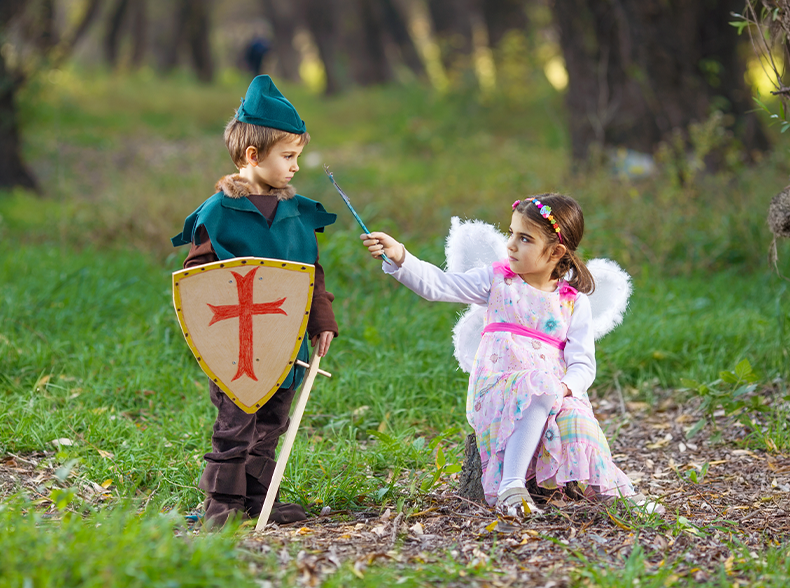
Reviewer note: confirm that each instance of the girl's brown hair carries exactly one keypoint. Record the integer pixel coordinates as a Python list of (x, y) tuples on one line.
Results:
[(568, 215)]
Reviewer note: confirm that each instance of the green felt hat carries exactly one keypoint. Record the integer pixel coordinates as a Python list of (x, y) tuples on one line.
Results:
[(265, 106)]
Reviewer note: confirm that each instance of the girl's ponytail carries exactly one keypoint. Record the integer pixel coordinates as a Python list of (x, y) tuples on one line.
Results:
[(580, 277)]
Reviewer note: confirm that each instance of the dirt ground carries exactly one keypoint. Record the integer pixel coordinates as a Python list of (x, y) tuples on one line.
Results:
[(743, 497)]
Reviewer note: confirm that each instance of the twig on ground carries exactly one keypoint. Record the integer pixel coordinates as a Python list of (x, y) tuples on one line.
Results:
[(395, 526)]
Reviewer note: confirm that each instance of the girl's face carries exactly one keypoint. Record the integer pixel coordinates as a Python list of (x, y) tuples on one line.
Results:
[(529, 255)]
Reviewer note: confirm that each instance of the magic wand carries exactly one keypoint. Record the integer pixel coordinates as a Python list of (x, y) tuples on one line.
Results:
[(354, 212)]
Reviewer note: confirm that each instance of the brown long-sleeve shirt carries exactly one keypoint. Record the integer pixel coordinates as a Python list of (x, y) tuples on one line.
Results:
[(322, 317)]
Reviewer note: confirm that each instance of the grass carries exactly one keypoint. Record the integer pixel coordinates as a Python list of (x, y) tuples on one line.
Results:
[(112, 548), (90, 350)]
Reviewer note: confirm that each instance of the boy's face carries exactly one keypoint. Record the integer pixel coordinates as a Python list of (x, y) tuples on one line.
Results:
[(279, 166)]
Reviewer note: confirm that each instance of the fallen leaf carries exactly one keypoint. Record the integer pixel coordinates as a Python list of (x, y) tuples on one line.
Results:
[(635, 476), (728, 564), (618, 522), (62, 441)]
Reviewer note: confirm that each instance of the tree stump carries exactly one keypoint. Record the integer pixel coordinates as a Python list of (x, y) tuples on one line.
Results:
[(471, 486)]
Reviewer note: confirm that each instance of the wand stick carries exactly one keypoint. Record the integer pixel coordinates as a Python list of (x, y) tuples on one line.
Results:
[(351, 208)]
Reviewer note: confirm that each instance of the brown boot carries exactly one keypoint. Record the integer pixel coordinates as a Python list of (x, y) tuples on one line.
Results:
[(222, 507), (282, 512)]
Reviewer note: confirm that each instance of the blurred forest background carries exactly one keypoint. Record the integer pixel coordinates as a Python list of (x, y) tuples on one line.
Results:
[(635, 74), (443, 104)]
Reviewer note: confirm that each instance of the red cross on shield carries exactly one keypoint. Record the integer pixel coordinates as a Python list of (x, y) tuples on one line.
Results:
[(244, 320)]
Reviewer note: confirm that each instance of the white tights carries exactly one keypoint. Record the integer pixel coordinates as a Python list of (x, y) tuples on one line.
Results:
[(524, 441)]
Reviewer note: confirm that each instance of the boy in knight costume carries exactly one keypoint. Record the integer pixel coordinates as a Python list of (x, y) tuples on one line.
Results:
[(257, 213)]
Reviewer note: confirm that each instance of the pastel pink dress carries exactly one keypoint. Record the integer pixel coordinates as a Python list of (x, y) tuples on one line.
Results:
[(511, 369)]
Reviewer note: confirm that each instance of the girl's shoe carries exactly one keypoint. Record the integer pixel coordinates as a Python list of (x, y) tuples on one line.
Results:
[(641, 502), (516, 502)]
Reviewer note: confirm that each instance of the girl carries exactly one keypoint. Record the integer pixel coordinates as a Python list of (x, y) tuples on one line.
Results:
[(527, 400)]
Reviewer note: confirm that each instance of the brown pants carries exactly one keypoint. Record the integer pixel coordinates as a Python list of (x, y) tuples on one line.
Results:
[(244, 444)]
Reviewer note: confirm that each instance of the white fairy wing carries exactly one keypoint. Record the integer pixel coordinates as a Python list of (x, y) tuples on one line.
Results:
[(610, 299), (473, 244), (467, 334)]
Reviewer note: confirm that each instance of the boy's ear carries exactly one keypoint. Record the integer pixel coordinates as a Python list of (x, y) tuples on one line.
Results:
[(251, 156)]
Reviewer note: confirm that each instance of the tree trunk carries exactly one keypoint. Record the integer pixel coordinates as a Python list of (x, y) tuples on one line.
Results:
[(639, 69), (114, 27), (192, 31), (13, 171), (48, 36), (502, 16), (396, 25), (470, 484), (199, 39), (91, 11), (320, 18), (283, 15), (453, 26), (170, 57), (139, 32), (365, 43)]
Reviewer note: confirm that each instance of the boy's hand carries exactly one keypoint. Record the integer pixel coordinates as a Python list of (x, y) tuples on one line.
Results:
[(323, 340), (566, 391), (378, 243)]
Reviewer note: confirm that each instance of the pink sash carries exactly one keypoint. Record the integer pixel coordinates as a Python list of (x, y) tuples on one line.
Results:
[(525, 332)]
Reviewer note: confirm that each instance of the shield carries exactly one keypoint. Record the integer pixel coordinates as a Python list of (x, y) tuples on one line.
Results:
[(244, 320)]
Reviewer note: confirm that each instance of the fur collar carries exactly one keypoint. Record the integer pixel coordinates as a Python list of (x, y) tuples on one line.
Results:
[(234, 186)]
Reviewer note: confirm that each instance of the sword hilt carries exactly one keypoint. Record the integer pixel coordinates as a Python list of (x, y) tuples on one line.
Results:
[(303, 364)]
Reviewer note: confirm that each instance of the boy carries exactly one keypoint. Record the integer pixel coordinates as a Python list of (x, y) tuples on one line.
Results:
[(257, 213)]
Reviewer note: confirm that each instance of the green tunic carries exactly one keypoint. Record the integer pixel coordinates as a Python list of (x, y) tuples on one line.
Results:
[(237, 229)]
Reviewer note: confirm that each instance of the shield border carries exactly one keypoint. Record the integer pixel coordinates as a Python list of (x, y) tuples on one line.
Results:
[(238, 262)]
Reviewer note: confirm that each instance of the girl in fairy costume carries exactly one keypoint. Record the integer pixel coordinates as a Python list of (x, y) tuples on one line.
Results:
[(527, 400)]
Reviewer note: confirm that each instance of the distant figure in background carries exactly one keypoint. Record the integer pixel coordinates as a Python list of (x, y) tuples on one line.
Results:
[(254, 53)]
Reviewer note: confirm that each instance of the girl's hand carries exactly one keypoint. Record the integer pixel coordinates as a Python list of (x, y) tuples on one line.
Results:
[(323, 340), (566, 391), (378, 243)]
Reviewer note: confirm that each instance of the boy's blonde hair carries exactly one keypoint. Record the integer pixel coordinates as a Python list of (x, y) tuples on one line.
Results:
[(240, 135)]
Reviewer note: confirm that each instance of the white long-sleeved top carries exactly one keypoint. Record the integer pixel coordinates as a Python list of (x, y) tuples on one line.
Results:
[(474, 287)]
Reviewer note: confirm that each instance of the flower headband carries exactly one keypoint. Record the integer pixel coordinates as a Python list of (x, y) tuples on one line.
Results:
[(545, 212)]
